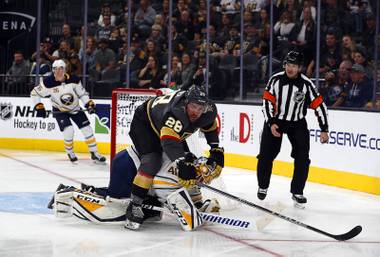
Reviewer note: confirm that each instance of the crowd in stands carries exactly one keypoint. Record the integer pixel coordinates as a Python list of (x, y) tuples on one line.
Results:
[(346, 61)]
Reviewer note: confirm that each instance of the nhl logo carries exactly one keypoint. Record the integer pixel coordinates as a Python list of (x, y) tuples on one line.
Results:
[(299, 96), (5, 111)]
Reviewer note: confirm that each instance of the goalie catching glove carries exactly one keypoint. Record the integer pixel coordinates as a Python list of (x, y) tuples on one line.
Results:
[(90, 106), (214, 165), (187, 171), (40, 109)]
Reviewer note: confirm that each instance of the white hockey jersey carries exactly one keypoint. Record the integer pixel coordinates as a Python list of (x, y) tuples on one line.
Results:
[(64, 95), (165, 181)]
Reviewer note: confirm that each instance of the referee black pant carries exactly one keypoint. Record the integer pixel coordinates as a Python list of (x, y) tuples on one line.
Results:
[(270, 146)]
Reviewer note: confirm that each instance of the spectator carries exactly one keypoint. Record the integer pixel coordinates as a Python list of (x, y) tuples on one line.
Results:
[(230, 6), (152, 50), (187, 72), (103, 55), (179, 42), (360, 57), (369, 32), (115, 41), (254, 6), (225, 27), (105, 30), (122, 19), (252, 40), (45, 68), (175, 75), (359, 11), (16, 76), (75, 66), (233, 41), (335, 16), (303, 35), (150, 76), (45, 49), (282, 31), (359, 91), (311, 5), (144, 18), (263, 20), (291, 6), (90, 54), (330, 51), (348, 47), (185, 26), (106, 11), (330, 90), (138, 57), (63, 52), (181, 6), (157, 37), (66, 32)]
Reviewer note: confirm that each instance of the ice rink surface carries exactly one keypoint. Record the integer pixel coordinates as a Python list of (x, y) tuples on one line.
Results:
[(27, 228)]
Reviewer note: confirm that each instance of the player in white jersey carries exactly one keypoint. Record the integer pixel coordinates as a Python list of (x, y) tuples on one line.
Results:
[(101, 205), (65, 92)]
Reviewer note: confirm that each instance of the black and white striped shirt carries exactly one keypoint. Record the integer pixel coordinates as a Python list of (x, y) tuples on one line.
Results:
[(288, 99)]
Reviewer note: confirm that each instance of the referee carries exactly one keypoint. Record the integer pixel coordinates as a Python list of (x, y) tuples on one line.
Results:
[(286, 99)]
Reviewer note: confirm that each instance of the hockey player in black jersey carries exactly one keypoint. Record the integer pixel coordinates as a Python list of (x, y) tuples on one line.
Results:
[(286, 98), (65, 91), (161, 125)]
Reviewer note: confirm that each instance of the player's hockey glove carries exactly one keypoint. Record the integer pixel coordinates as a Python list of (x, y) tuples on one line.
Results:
[(90, 106), (214, 165), (187, 172), (40, 110)]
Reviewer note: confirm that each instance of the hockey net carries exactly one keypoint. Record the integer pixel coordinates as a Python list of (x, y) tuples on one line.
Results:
[(124, 103)]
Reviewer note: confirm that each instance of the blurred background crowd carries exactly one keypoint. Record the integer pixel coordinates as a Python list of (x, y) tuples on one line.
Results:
[(110, 52)]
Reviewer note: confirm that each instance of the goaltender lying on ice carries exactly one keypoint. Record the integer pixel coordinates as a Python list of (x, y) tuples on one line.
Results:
[(108, 205)]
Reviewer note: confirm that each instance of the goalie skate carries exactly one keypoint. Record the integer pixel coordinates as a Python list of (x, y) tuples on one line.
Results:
[(135, 216), (299, 201)]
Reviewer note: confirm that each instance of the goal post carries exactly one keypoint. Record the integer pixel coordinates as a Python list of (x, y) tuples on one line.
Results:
[(124, 103)]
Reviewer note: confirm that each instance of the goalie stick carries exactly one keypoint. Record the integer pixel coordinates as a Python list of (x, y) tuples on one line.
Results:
[(209, 217), (341, 237)]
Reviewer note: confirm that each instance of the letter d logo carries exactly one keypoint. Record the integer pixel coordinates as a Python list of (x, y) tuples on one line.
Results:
[(244, 119)]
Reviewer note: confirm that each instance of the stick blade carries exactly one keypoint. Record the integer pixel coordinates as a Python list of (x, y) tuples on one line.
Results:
[(350, 234)]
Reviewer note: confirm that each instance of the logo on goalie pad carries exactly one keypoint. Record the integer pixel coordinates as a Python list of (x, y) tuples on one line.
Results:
[(5, 111), (88, 199)]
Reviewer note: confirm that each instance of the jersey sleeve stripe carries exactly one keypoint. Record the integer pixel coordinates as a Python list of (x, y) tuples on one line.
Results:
[(268, 96), (168, 133), (316, 102)]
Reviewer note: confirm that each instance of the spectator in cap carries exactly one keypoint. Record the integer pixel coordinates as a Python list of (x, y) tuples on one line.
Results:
[(45, 50), (359, 90)]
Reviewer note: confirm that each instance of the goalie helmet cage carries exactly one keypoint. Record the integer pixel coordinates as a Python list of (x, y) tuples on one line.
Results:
[(124, 103)]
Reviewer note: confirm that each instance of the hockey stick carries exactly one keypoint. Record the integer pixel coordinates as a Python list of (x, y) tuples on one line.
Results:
[(342, 237), (213, 218)]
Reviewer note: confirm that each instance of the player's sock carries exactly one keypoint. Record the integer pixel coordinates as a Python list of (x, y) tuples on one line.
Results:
[(68, 135), (262, 193)]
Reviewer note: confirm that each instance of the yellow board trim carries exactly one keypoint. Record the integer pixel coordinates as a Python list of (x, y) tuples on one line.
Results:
[(330, 177), (165, 183), (336, 178), (48, 145)]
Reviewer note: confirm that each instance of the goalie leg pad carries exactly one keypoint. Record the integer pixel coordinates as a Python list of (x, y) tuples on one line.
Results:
[(180, 203)]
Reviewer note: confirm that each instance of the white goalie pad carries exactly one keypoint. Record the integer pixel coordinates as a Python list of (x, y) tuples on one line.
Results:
[(180, 203), (89, 206)]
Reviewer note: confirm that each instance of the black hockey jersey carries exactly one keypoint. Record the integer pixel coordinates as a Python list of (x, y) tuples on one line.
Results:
[(168, 118)]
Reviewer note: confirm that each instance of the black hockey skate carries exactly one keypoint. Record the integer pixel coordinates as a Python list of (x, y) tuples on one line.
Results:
[(97, 157), (299, 201), (262, 193), (72, 157), (134, 215)]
